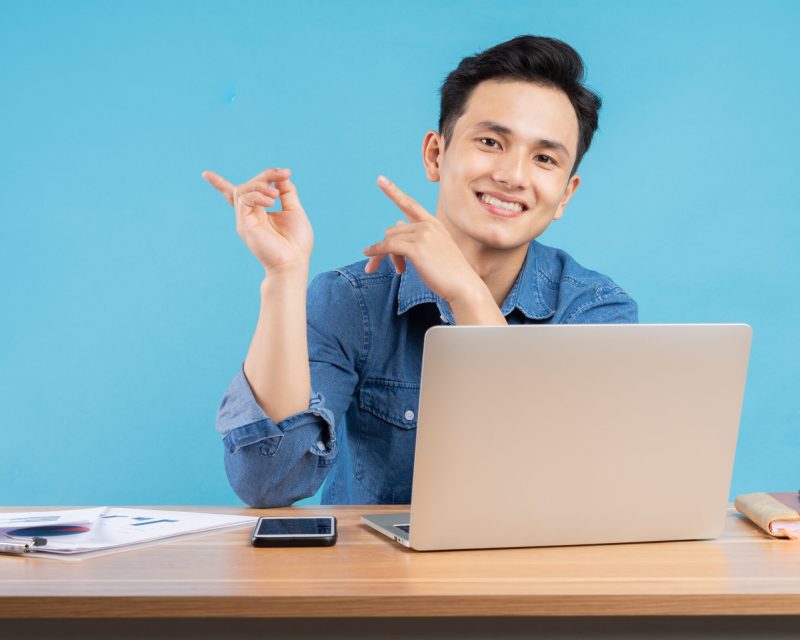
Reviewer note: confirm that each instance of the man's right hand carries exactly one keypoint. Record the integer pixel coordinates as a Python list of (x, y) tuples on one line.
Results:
[(279, 239)]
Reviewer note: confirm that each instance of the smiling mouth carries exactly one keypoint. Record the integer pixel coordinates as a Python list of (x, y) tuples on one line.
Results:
[(500, 207)]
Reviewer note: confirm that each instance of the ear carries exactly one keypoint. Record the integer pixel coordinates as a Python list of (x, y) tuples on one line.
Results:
[(572, 186), (432, 150)]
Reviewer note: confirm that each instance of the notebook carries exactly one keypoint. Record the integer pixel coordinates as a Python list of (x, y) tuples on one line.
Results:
[(777, 513), (539, 435)]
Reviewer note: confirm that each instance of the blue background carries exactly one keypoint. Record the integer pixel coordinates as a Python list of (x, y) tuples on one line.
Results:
[(129, 300)]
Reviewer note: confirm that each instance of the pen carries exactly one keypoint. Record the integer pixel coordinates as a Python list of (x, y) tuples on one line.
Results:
[(11, 544)]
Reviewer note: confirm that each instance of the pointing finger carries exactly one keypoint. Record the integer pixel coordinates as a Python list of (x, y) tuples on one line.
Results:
[(414, 210), (220, 184)]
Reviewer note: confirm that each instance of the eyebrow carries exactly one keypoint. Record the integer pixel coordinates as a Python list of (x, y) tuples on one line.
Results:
[(503, 130)]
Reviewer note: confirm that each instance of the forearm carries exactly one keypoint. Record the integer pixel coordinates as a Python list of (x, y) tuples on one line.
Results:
[(476, 306), (276, 365)]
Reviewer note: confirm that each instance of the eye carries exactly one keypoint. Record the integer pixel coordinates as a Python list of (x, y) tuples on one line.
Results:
[(491, 140), (545, 158)]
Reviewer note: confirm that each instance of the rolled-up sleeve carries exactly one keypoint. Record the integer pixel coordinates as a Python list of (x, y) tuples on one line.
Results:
[(273, 464)]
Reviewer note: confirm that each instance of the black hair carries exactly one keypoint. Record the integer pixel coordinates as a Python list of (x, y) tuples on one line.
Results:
[(544, 61)]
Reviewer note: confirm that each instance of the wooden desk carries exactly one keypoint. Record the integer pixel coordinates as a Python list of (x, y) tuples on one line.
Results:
[(743, 573)]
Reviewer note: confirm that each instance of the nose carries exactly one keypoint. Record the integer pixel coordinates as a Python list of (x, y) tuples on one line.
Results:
[(511, 170)]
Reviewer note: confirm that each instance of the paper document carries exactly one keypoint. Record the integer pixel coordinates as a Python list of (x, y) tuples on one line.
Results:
[(78, 520), (76, 531)]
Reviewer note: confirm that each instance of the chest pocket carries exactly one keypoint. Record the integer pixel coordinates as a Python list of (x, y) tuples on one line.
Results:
[(385, 438), (392, 401)]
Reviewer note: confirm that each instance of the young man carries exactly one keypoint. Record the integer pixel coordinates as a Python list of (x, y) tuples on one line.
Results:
[(515, 122)]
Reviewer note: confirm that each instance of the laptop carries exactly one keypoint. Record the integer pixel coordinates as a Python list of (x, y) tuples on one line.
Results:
[(532, 435)]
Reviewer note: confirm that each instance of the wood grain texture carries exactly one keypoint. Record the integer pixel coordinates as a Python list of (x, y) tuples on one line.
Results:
[(744, 572)]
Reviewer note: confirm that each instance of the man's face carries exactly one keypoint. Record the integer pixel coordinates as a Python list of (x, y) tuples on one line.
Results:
[(516, 142)]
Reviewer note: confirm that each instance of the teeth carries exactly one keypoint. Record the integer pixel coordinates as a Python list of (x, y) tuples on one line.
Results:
[(510, 206)]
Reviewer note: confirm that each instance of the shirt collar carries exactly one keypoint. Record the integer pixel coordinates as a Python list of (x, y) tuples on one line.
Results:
[(525, 295)]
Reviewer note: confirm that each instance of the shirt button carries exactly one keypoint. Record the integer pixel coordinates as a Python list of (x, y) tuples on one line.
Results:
[(409, 414)]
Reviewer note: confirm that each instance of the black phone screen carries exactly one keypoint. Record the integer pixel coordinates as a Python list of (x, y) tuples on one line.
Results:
[(294, 526)]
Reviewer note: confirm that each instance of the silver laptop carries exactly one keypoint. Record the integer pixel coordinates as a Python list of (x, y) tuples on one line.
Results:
[(573, 434)]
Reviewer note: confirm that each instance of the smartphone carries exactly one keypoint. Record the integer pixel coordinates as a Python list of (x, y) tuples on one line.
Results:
[(291, 531)]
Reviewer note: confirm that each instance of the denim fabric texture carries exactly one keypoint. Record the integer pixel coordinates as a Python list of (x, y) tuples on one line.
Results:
[(365, 337)]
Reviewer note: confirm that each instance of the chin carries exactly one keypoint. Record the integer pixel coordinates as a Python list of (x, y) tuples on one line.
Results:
[(501, 239)]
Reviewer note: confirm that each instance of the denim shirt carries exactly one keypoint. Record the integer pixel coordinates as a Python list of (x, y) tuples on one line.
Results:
[(365, 336)]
